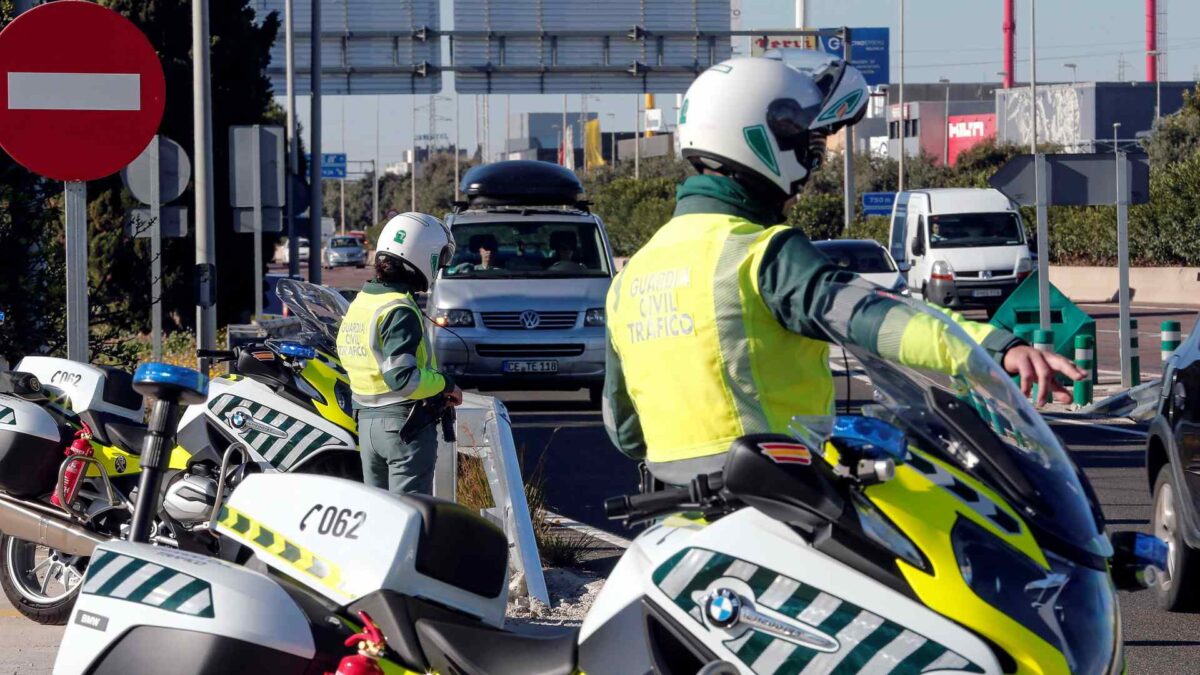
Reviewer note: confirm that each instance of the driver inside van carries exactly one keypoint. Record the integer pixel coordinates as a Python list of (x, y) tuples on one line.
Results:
[(564, 245)]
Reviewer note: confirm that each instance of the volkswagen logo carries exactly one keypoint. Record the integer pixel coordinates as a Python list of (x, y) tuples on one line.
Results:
[(985, 274), (530, 319)]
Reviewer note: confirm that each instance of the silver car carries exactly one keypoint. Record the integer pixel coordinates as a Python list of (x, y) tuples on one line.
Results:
[(521, 305), (343, 251)]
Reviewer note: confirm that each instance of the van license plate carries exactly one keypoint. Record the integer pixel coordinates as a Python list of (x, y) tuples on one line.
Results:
[(530, 366), (988, 293)]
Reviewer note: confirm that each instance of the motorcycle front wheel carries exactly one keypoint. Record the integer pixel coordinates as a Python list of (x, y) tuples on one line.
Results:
[(40, 582)]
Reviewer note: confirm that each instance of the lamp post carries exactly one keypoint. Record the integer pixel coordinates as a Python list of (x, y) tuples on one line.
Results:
[(946, 126), (1157, 85), (1073, 68)]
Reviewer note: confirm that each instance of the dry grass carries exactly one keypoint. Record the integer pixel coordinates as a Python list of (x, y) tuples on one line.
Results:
[(556, 548)]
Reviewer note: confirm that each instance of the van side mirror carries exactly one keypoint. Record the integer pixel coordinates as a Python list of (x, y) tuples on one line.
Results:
[(918, 246), (904, 266)]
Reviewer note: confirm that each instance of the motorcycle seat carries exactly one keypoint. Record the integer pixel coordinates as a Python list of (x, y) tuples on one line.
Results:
[(129, 436), (481, 650)]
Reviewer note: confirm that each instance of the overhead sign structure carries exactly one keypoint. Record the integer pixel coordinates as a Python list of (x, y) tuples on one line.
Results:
[(878, 203), (81, 94), (582, 46), (869, 52), (367, 46)]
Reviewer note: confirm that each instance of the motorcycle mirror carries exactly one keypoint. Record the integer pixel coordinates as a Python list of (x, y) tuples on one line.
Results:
[(1137, 560), (295, 350)]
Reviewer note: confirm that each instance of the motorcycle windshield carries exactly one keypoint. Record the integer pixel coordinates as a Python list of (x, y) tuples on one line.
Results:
[(958, 399), (320, 310)]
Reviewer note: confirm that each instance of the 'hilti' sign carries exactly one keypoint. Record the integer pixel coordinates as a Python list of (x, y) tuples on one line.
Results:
[(967, 131)]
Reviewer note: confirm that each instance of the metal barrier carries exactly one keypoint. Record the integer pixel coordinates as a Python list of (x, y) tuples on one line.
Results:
[(485, 431)]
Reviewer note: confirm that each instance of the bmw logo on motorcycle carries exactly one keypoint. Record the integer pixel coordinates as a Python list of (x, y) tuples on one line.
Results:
[(723, 607)]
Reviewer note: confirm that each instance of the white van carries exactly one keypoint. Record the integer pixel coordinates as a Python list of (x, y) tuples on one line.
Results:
[(961, 247)]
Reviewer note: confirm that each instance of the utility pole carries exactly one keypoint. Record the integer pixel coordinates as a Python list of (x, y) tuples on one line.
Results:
[(849, 192), (316, 208), (412, 166), (1155, 54), (1040, 190), (903, 116), (946, 126), (637, 137), (293, 172), (375, 165), (457, 141), (206, 312)]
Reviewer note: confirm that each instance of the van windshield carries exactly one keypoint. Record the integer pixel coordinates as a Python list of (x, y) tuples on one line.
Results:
[(507, 250), (958, 230)]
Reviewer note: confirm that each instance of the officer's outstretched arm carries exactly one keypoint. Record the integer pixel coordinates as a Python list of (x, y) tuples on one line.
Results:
[(400, 339), (798, 283)]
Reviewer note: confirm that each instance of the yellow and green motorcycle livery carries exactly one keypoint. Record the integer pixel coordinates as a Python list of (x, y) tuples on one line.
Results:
[(287, 407)]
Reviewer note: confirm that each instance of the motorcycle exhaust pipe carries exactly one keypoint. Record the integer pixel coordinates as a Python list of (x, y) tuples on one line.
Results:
[(24, 521)]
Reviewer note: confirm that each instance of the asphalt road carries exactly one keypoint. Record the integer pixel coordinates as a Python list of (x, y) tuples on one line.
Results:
[(562, 439)]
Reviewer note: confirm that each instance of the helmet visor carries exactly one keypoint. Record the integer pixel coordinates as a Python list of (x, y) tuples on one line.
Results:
[(789, 122)]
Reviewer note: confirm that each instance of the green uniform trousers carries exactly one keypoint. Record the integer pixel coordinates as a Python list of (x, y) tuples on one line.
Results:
[(390, 463)]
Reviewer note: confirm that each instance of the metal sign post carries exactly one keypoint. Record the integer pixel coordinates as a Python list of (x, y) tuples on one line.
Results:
[(1128, 377), (256, 196), (77, 270), (848, 153), (155, 252), (1041, 179)]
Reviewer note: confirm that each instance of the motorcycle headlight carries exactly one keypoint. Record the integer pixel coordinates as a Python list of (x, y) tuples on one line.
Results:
[(1069, 606), (594, 317), (454, 318)]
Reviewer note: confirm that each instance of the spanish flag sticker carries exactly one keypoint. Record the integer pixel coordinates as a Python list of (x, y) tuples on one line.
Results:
[(787, 453)]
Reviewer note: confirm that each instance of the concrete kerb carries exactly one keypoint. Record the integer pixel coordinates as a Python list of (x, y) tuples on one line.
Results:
[(587, 530)]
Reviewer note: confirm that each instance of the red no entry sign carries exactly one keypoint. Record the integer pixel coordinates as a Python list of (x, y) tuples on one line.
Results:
[(81, 90)]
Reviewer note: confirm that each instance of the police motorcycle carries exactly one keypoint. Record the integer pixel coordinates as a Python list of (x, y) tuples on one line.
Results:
[(286, 407), (943, 530)]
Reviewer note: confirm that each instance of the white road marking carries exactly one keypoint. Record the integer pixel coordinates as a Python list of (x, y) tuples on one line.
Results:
[(74, 91)]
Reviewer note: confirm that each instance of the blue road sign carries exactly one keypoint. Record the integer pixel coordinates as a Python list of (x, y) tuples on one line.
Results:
[(878, 203), (333, 164), (868, 52)]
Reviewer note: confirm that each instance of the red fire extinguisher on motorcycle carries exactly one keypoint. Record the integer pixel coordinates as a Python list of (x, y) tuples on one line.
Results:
[(80, 447), (371, 645)]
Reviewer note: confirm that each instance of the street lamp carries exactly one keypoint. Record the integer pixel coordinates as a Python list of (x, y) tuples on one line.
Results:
[(1073, 68), (946, 126), (1157, 84)]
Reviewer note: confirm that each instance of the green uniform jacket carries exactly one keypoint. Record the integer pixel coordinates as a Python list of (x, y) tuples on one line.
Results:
[(792, 278)]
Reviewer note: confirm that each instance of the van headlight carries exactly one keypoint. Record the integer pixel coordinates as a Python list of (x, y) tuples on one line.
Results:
[(594, 317), (1024, 268), (454, 318), (942, 271)]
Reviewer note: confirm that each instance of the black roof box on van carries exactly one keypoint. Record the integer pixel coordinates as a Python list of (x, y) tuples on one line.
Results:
[(521, 182)]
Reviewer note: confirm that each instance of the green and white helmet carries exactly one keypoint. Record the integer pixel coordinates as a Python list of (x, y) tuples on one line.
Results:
[(420, 240), (764, 120)]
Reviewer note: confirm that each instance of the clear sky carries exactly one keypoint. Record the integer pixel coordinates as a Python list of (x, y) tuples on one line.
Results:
[(956, 39)]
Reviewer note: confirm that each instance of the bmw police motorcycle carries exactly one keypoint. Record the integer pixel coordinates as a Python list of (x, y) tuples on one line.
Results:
[(286, 408), (942, 530)]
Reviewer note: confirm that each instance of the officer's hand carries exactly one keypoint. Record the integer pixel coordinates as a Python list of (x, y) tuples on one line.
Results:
[(454, 398), (1040, 367)]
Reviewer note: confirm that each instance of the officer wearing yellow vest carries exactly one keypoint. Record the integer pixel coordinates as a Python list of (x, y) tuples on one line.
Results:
[(709, 328), (383, 346)]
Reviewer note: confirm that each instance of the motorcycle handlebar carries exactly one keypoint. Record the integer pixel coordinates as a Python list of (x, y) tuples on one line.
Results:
[(637, 507)]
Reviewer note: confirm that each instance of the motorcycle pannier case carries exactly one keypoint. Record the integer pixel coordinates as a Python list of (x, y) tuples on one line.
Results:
[(31, 448)]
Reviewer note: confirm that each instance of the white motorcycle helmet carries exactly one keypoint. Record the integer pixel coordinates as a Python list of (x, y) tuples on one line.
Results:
[(423, 242), (763, 121)]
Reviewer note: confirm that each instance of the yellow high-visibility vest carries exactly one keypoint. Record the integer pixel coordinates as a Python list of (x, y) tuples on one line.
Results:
[(360, 350), (705, 361)]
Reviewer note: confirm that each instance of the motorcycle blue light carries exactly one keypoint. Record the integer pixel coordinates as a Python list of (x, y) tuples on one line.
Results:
[(1150, 550), (167, 374), (295, 350), (876, 436)]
